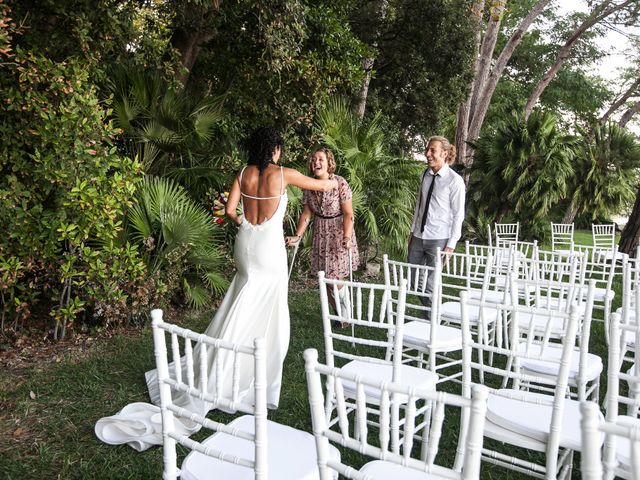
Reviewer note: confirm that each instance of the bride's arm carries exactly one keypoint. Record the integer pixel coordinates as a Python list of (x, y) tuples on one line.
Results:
[(294, 177), (232, 203)]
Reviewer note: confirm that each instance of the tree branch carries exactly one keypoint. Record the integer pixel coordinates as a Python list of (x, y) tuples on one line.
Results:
[(602, 11), (626, 116), (621, 101)]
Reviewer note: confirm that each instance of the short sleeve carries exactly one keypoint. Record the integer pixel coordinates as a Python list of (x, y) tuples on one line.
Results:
[(344, 190), (306, 197)]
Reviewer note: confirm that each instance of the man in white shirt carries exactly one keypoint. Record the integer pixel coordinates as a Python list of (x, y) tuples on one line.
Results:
[(437, 221)]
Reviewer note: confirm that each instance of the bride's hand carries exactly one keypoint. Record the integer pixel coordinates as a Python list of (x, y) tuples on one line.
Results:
[(239, 220), (292, 241)]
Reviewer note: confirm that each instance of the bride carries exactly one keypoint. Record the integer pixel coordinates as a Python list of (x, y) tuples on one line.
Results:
[(255, 304)]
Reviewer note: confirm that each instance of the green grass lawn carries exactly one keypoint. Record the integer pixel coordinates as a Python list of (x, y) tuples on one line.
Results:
[(47, 413)]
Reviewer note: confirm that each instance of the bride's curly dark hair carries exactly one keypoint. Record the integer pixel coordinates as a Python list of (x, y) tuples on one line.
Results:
[(261, 145)]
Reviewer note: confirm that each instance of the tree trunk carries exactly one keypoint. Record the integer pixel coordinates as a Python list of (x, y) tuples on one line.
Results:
[(629, 114), (599, 13), (570, 213), (480, 110), (462, 126), (369, 62), (461, 137), (620, 101), (481, 94), (631, 231), (189, 37), (483, 63), (188, 45), (364, 89)]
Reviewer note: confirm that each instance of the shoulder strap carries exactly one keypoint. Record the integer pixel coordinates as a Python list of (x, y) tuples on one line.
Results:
[(281, 180), (241, 173)]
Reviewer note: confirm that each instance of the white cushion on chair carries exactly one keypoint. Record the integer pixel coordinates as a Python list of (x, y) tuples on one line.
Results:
[(381, 470), (533, 420), (448, 339), (492, 296), (291, 454), (554, 352), (540, 321), (601, 294), (417, 377), (451, 311), (623, 448)]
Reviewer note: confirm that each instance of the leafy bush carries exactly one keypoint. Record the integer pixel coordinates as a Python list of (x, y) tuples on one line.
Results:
[(63, 193), (522, 170)]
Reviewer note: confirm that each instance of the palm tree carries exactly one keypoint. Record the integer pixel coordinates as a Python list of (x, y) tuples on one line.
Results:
[(179, 240), (523, 169), (606, 172), (173, 131), (384, 185)]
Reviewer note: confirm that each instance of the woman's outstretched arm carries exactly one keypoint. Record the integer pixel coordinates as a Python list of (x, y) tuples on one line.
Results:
[(294, 177)]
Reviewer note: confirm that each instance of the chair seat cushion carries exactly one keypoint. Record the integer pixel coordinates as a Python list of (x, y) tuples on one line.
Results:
[(491, 296), (448, 339), (553, 353), (537, 322), (530, 415), (381, 470), (451, 311), (600, 294), (282, 441), (623, 446), (417, 377)]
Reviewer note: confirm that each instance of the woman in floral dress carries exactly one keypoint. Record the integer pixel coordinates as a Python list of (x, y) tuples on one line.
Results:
[(332, 211)]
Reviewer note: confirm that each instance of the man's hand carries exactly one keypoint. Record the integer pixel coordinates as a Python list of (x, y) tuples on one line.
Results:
[(446, 253)]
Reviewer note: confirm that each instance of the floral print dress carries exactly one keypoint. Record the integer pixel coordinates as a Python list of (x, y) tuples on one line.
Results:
[(327, 252)]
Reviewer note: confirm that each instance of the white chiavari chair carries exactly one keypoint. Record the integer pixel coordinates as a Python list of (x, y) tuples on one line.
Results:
[(527, 419), (603, 236), (373, 345), (423, 332), (562, 237), (504, 262), (392, 461), (585, 367), (506, 233), (603, 271), (456, 270), (623, 380), (629, 311), (248, 447), (593, 428)]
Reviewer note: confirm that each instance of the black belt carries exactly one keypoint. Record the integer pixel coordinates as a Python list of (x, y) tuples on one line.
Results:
[(328, 218)]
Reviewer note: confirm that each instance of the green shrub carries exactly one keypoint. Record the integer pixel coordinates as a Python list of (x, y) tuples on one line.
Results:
[(64, 191)]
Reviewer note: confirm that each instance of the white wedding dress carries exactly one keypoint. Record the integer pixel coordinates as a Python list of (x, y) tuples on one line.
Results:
[(255, 306)]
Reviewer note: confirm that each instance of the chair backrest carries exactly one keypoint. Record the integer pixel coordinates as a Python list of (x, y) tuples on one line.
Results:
[(630, 291), (603, 235), (395, 272), (623, 386), (593, 427), (506, 232), (527, 341), (187, 378), (554, 266), (375, 318), (562, 236), (351, 429)]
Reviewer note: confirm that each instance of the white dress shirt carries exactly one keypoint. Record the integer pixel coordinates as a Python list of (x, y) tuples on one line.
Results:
[(446, 209)]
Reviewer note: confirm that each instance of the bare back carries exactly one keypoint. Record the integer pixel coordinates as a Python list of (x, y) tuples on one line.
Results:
[(261, 194)]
